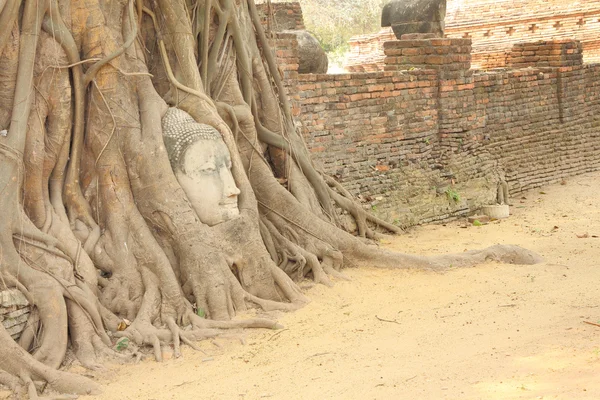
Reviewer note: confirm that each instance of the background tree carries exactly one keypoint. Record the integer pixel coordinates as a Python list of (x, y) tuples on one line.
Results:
[(333, 22), (96, 230)]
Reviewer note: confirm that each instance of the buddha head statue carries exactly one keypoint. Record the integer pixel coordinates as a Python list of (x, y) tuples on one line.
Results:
[(202, 165)]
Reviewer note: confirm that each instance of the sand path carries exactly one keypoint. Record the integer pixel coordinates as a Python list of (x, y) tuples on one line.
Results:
[(489, 332)]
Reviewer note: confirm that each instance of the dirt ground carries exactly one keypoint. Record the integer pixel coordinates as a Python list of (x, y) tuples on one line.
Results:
[(490, 332)]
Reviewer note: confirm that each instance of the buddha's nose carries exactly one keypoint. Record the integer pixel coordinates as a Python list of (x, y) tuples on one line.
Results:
[(229, 187)]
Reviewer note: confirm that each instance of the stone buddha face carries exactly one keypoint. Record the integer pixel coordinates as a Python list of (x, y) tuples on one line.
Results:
[(202, 165)]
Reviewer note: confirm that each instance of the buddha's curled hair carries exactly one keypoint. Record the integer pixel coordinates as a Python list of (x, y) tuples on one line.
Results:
[(180, 131)]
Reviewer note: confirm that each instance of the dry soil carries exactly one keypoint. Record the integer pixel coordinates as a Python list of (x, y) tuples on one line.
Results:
[(489, 332)]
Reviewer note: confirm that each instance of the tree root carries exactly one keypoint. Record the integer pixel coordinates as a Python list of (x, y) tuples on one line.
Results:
[(346, 202), (143, 333), (18, 366), (91, 73), (8, 16), (78, 208)]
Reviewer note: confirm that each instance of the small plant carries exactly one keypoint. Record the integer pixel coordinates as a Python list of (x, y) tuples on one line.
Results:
[(452, 195), (477, 223), (201, 313), (373, 207), (122, 344)]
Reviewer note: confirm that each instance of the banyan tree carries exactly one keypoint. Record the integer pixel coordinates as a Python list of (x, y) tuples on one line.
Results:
[(153, 183)]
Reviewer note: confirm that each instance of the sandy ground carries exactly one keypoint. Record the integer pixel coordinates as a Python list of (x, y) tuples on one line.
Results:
[(489, 332)]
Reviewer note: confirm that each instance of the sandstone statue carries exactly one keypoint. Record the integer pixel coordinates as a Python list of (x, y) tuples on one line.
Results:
[(502, 195), (120, 217), (202, 165), (415, 16), (312, 59)]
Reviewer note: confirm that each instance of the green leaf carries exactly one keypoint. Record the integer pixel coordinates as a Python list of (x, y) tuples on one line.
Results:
[(122, 344), (453, 195), (201, 313), (477, 223)]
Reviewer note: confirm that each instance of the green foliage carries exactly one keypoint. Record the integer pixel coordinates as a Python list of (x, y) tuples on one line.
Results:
[(477, 223), (333, 22), (453, 195), (122, 344), (201, 313)]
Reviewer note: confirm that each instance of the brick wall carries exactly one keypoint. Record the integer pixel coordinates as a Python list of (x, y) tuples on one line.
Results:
[(366, 51), (285, 49), (557, 53), (284, 16), (403, 139), (14, 311), (496, 25)]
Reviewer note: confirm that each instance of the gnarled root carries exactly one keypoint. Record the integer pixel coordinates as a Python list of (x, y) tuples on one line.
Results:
[(19, 367), (282, 208)]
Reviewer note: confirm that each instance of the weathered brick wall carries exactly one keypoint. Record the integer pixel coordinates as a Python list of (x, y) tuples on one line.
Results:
[(284, 16), (445, 55), (541, 124), (496, 25), (366, 51), (546, 54), (375, 133), (14, 311), (285, 49), (358, 125), (402, 140)]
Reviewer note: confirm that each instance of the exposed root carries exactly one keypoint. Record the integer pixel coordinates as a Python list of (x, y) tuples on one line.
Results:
[(91, 73), (16, 365), (346, 202), (8, 17), (145, 334), (509, 254)]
